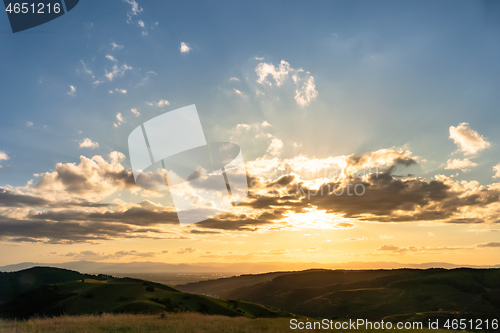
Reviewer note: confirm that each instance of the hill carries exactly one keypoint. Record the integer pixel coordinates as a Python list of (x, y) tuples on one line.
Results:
[(177, 322), (42, 291), (93, 267), (375, 295)]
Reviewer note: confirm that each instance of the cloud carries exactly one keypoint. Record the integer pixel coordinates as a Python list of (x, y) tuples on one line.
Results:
[(117, 71), (135, 112), (306, 92), (72, 90), (142, 25), (240, 222), (110, 57), (9, 198), (496, 169), (458, 164), (366, 187), (135, 9), (305, 87), (92, 255), (259, 135), (92, 176), (391, 248), (234, 79), (3, 156), (120, 120), (491, 244), (186, 250), (87, 143), (115, 46), (87, 70), (161, 103), (468, 141), (146, 78), (239, 93), (275, 147), (279, 73), (29, 124), (184, 48), (118, 91)]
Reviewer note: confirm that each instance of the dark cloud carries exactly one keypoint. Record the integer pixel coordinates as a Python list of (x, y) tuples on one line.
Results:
[(186, 250), (491, 244), (10, 199), (229, 221), (64, 232), (137, 216)]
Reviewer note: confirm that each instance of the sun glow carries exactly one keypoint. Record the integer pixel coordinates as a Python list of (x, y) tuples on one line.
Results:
[(316, 219)]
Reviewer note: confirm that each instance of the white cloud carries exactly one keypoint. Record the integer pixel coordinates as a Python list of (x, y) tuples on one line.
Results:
[(496, 169), (135, 112), (120, 120), (87, 70), (72, 90), (275, 147), (305, 88), (279, 73), (146, 78), (234, 79), (110, 57), (88, 143), (184, 48), (118, 91), (458, 164), (91, 177), (134, 10), (29, 124), (117, 71), (143, 27), (306, 92), (259, 135), (468, 141), (116, 46), (238, 92), (4, 156), (161, 103)]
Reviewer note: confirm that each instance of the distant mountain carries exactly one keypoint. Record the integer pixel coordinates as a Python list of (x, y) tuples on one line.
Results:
[(369, 294), (93, 267), (46, 291)]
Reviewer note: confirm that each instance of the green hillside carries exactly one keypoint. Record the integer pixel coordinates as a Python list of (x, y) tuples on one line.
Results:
[(374, 295), (54, 291), (176, 322)]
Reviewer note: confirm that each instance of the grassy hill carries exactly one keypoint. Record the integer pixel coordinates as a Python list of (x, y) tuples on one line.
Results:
[(178, 323), (42, 291), (375, 295)]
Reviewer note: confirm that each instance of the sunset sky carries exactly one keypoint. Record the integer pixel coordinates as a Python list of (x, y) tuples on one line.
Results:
[(400, 99)]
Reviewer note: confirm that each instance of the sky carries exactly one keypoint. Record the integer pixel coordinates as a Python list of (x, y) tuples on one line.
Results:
[(398, 100)]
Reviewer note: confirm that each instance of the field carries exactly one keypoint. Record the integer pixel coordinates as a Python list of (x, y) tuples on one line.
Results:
[(178, 323)]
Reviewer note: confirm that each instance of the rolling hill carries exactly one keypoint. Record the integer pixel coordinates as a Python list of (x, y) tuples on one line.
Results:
[(43, 291), (375, 295)]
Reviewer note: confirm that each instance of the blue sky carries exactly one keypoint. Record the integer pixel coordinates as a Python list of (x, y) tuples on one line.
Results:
[(396, 75), (388, 73)]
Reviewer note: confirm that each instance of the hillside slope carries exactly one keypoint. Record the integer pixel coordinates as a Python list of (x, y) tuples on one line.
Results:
[(53, 291), (371, 294)]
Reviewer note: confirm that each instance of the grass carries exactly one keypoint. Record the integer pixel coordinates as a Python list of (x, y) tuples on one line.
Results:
[(177, 323)]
